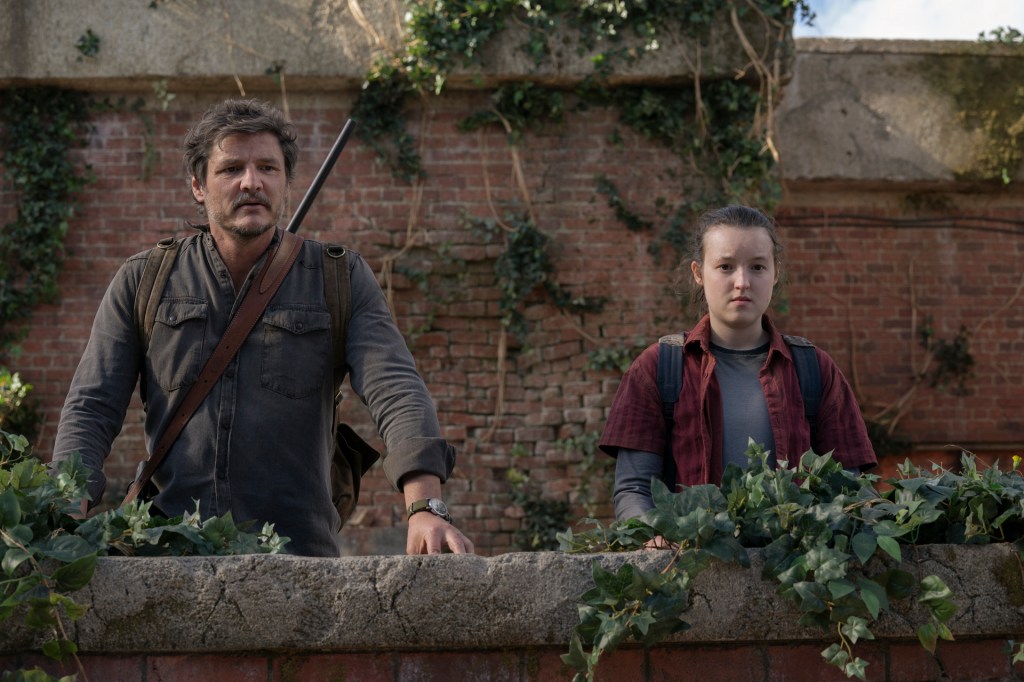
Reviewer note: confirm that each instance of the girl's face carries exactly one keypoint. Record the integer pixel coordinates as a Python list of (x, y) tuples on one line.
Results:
[(737, 275)]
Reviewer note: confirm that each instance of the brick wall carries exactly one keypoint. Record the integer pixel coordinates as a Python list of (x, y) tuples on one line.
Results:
[(891, 660), (851, 286)]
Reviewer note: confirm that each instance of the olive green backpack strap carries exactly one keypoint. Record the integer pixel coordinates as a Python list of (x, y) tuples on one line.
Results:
[(157, 270), (352, 456)]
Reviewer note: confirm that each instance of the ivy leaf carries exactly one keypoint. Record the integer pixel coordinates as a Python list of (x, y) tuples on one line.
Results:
[(10, 510), (73, 608), (898, 584), (65, 548), (840, 588), (613, 631), (811, 594), (928, 635), (891, 547), (576, 658), (874, 596), (856, 629), (40, 614), (76, 575), (60, 649), (835, 655), (20, 534), (642, 622), (13, 558), (856, 668), (864, 544), (933, 589), (728, 549)]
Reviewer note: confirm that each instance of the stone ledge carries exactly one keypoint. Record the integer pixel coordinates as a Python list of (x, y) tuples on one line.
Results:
[(323, 44), (449, 602)]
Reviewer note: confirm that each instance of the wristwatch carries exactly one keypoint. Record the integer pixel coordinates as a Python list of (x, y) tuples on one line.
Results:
[(432, 505)]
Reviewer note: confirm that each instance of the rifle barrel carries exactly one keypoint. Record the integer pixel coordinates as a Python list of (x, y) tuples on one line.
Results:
[(318, 181)]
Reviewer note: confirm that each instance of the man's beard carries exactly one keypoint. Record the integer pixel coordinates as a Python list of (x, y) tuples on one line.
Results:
[(245, 233)]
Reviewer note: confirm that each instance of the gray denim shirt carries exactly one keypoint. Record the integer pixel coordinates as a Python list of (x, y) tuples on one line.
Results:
[(260, 444)]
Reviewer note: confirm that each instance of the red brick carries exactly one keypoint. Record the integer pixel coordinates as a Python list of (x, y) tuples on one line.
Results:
[(333, 667), (708, 664), (470, 666), (205, 667), (911, 662), (974, 660), (803, 663)]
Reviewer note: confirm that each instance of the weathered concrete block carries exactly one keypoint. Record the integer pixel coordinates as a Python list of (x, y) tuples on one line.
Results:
[(452, 602)]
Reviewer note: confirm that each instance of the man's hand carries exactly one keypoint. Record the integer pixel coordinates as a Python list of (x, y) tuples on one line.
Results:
[(428, 533)]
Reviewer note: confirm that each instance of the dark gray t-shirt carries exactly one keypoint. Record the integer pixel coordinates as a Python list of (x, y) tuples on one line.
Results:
[(744, 410)]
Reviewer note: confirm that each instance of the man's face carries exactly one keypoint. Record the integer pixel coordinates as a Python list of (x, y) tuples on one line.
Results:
[(245, 185)]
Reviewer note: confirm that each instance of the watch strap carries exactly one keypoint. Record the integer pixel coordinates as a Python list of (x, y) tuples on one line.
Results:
[(426, 505)]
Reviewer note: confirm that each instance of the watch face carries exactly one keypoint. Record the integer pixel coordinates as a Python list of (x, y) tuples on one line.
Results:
[(438, 507)]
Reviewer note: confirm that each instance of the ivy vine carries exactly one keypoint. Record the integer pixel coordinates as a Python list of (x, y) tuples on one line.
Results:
[(720, 130), (831, 540), (41, 128), (47, 552)]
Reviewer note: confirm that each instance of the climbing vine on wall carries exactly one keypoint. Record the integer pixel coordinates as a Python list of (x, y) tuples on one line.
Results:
[(41, 127), (718, 129)]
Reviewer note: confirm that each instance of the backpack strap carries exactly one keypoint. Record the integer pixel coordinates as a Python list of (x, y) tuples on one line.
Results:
[(670, 385), (352, 456), (805, 357), (159, 263), (338, 293)]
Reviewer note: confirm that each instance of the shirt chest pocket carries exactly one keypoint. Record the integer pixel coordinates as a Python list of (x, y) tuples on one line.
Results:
[(176, 346), (296, 345)]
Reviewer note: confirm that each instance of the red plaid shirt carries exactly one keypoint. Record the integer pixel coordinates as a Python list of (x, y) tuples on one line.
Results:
[(635, 421)]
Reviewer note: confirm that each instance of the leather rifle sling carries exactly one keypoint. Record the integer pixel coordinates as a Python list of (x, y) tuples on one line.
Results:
[(255, 302)]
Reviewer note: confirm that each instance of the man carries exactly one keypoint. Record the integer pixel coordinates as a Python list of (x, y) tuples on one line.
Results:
[(260, 443)]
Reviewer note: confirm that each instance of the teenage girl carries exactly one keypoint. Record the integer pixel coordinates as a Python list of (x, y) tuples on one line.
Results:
[(739, 379)]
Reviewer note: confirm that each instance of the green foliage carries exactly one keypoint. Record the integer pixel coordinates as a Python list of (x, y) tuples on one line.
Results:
[(1007, 35), (88, 45), (725, 162), (276, 70), (953, 360), (615, 202), (717, 137), (525, 267), (49, 553), (41, 127), (378, 111), (831, 541), (18, 412), (618, 358), (519, 107), (164, 96)]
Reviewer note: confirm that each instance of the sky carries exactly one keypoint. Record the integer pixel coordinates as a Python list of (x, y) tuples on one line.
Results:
[(911, 19)]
